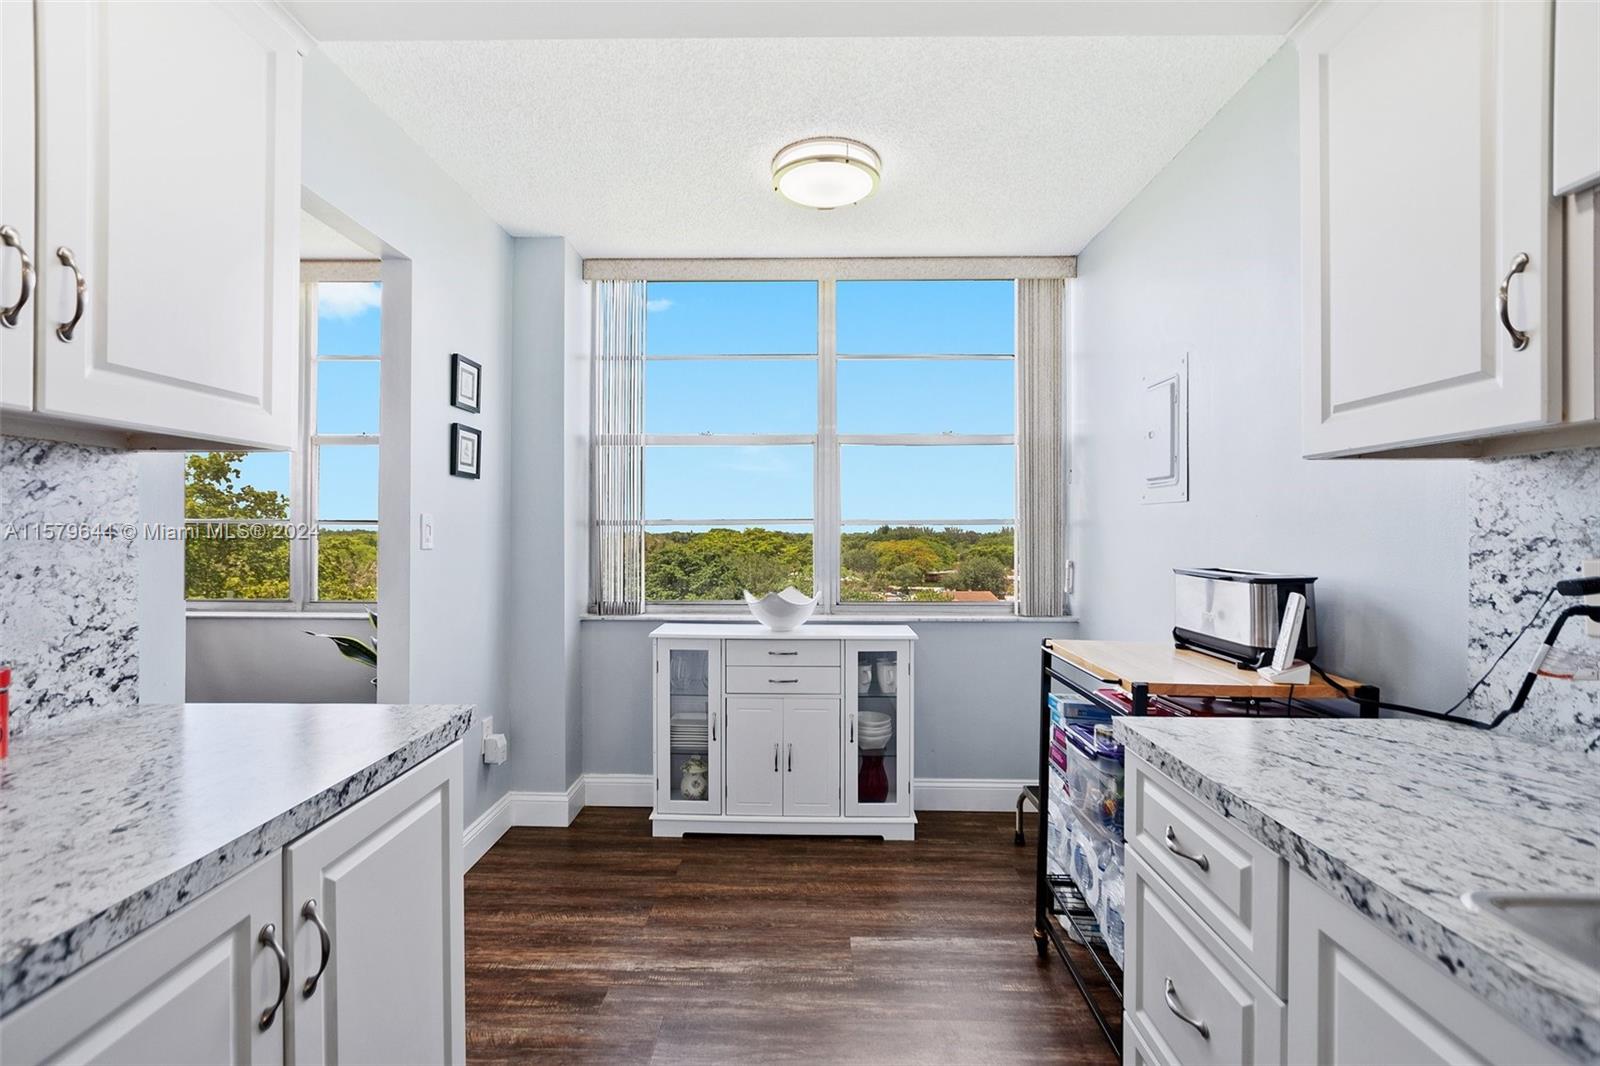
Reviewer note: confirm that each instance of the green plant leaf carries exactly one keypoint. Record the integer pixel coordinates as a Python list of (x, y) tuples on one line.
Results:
[(351, 647)]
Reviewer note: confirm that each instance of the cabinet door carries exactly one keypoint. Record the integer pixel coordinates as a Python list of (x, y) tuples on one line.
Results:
[(16, 205), (190, 989), (1360, 996), (877, 728), (169, 139), (754, 754), (385, 880), (688, 733), (810, 757), (1424, 165)]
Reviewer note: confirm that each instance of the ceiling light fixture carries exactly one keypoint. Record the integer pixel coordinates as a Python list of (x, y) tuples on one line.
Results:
[(826, 172)]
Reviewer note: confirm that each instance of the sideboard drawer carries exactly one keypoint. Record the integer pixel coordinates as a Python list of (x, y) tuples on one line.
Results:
[(1234, 882), (784, 680), (783, 653)]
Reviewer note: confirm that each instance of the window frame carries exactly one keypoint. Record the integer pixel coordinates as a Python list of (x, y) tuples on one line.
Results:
[(303, 485), (827, 523)]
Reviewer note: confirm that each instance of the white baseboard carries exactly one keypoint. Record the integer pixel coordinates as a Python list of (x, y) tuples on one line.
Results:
[(558, 809), (485, 830), (967, 793), (618, 790)]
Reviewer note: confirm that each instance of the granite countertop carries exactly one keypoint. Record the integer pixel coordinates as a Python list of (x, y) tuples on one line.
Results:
[(109, 824), (1399, 819)]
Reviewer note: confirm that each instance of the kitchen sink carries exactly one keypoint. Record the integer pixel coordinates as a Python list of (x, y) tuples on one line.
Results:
[(1565, 922)]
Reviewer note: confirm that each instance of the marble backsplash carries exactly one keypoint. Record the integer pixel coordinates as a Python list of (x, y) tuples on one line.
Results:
[(69, 615), (1534, 520)]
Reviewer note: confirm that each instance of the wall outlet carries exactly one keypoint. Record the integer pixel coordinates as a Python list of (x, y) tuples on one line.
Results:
[(425, 531), (1591, 568)]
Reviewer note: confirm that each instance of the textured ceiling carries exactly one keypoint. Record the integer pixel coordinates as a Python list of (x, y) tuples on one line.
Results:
[(991, 145)]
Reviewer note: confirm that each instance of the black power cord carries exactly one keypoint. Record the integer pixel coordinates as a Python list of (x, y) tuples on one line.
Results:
[(1447, 715)]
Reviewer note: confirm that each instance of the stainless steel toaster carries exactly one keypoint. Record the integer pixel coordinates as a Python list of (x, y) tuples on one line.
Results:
[(1235, 614)]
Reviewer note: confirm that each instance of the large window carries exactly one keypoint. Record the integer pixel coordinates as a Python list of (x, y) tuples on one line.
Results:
[(852, 437), (300, 529)]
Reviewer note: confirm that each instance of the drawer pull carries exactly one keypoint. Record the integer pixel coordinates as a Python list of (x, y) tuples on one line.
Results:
[(309, 913), (769, 652), (1177, 1009), (783, 680), (1199, 860), (268, 938)]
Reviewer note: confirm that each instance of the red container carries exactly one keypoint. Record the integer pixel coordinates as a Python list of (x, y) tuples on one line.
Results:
[(5, 710)]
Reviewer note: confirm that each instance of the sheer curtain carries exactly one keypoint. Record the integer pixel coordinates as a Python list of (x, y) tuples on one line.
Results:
[(1041, 472), (616, 464)]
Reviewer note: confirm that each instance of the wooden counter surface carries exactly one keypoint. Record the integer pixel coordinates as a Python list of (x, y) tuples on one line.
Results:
[(1170, 671)]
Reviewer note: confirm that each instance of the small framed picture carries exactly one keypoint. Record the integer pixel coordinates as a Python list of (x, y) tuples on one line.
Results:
[(466, 444), (465, 378)]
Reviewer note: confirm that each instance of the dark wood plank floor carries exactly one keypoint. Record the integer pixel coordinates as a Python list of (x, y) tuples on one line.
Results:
[(598, 943)]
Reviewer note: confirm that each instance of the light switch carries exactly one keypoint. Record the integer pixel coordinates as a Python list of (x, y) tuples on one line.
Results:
[(425, 532)]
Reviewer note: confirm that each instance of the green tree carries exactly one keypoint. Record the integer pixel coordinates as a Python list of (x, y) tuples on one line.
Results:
[(347, 565), (861, 560), (228, 562), (982, 572), (904, 576)]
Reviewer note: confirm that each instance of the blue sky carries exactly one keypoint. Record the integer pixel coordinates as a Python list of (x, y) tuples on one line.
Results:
[(874, 396), (348, 323), (750, 396)]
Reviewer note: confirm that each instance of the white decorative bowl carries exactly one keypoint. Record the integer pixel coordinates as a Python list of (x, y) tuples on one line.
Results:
[(782, 611)]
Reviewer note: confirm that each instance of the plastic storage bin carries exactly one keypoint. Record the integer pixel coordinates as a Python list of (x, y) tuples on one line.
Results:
[(1065, 708), (1095, 777)]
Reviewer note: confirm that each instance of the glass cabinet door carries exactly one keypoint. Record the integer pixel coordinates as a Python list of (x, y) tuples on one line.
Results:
[(877, 728), (688, 727)]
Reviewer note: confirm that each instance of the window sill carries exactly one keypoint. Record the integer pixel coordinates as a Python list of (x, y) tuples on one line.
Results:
[(825, 619), (270, 612)]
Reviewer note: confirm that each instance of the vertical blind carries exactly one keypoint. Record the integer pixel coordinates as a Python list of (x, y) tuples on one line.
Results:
[(616, 464), (1041, 474)]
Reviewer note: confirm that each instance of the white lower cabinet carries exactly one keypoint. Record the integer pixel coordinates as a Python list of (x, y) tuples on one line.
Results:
[(1192, 997), (384, 879), (1359, 996), (205, 985), (190, 989), (1232, 958), (803, 732)]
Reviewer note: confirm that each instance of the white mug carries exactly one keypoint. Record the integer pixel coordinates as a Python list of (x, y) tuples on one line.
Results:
[(864, 676), (886, 676)]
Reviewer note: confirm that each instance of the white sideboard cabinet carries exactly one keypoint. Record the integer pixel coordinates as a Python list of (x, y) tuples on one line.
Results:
[(804, 732), (150, 191)]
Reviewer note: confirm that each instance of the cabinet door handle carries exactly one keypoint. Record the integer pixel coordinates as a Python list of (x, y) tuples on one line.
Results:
[(713, 715), (1199, 859), (775, 757), (791, 758), (10, 316), (65, 330), (268, 937), (1188, 1019), (309, 913), (1519, 339), (783, 680), (852, 728)]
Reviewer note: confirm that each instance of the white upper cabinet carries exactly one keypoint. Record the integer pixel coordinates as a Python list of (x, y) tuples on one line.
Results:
[(169, 192), (18, 246), (1431, 245)]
